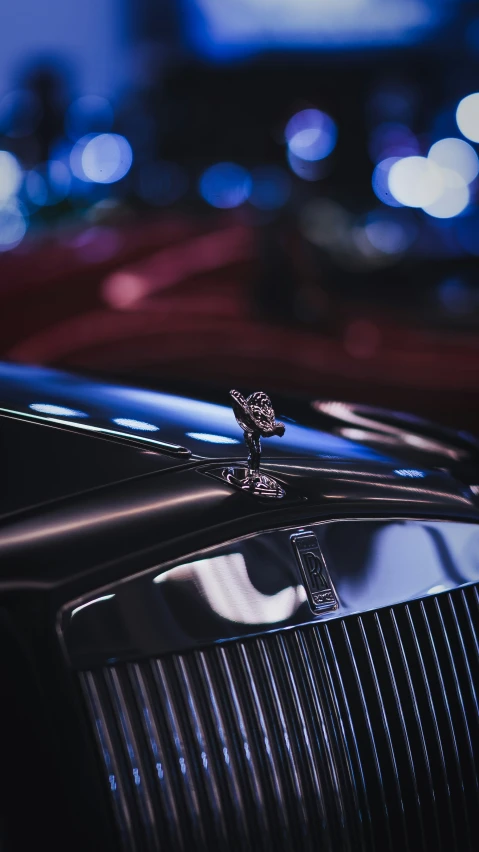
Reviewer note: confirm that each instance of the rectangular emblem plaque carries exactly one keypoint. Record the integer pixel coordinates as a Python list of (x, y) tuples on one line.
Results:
[(319, 588)]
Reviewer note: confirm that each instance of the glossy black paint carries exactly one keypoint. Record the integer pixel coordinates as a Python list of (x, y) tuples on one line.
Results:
[(153, 516)]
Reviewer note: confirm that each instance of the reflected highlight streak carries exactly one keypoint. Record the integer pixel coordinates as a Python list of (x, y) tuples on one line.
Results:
[(97, 519), (224, 582), (343, 411), (89, 603)]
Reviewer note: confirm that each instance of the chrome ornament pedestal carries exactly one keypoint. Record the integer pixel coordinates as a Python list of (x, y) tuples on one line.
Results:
[(254, 482)]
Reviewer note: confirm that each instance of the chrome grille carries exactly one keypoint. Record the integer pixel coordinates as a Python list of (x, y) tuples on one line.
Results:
[(357, 734)]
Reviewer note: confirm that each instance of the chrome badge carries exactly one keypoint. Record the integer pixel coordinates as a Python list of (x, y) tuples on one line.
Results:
[(256, 417), (319, 588)]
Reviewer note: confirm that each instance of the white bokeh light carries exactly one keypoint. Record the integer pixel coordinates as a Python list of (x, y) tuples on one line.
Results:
[(454, 197), (416, 181), (467, 117), (10, 175), (13, 225), (456, 155), (107, 158), (101, 158)]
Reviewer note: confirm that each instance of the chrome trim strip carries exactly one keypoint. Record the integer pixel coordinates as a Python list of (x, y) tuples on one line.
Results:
[(102, 431)]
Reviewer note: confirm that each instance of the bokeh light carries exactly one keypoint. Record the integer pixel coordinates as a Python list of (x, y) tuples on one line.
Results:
[(11, 175), (416, 181), (271, 188), (13, 225), (36, 188), (380, 182), (456, 155), (48, 183), (311, 134), (467, 117), (101, 158), (388, 235), (455, 296), (107, 158), (225, 185), (453, 199)]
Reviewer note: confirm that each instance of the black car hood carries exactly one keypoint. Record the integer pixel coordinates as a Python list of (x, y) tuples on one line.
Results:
[(63, 434), (163, 422)]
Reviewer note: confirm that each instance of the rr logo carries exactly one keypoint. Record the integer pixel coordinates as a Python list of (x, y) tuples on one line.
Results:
[(313, 569)]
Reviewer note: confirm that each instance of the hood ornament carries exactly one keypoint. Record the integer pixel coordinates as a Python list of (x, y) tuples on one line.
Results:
[(256, 417)]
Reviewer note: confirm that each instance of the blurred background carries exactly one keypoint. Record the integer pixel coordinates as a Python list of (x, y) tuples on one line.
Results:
[(274, 194)]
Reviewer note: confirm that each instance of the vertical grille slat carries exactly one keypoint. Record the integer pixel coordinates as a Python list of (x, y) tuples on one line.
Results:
[(134, 754), (452, 739), (428, 693), (359, 734), (403, 727), (387, 731), (358, 786), (370, 735), (105, 734)]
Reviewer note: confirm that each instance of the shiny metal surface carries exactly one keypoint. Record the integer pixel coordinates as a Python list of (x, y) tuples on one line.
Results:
[(355, 734), (314, 572), (255, 415), (255, 585), (255, 484)]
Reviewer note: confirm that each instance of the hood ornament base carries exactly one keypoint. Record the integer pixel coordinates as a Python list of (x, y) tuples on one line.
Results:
[(257, 484), (256, 417)]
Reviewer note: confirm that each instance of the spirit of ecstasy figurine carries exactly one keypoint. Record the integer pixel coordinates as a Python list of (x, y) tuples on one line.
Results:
[(256, 417)]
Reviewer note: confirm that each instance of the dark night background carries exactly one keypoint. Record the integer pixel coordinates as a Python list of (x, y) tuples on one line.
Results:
[(195, 195)]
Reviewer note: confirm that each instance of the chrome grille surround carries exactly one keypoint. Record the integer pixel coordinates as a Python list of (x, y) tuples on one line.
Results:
[(359, 733)]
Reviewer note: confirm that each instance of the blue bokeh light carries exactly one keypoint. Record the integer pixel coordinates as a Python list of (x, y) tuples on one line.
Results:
[(311, 135), (48, 183), (455, 296), (225, 185), (380, 182)]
